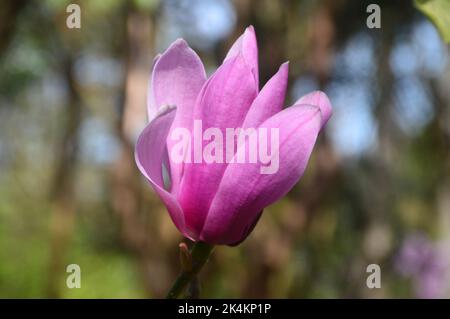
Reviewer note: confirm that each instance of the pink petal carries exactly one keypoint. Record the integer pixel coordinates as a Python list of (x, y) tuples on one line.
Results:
[(246, 45), (320, 99), (177, 78), (223, 103), (270, 100), (149, 154), (152, 108), (244, 192)]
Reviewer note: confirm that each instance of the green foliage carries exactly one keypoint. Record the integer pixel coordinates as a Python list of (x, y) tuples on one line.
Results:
[(438, 11)]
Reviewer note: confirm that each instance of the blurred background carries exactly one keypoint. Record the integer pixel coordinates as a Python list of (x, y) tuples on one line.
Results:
[(376, 191)]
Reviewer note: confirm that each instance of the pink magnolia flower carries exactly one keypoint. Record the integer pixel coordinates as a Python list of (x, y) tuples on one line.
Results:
[(220, 203)]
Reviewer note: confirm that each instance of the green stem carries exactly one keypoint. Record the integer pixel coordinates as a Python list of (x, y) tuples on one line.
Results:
[(200, 253)]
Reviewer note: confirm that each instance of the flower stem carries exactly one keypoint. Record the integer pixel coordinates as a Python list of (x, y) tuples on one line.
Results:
[(199, 255)]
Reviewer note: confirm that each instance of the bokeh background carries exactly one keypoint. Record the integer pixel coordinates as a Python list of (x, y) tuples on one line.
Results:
[(377, 188)]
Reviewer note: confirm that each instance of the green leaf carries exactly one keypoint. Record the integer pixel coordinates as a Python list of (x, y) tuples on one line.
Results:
[(438, 11)]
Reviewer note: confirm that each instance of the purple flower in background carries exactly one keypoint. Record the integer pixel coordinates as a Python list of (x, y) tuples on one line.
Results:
[(420, 260), (220, 202)]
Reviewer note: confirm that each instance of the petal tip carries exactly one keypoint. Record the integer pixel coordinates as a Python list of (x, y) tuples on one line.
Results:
[(325, 106), (251, 29), (285, 65), (180, 42), (320, 99), (250, 36)]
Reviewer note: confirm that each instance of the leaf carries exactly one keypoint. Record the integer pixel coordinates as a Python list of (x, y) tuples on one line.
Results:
[(438, 11)]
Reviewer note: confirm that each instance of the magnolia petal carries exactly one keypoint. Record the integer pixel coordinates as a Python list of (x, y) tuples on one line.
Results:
[(177, 78), (246, 45), (244, 191), (149, 155), (152, 108), (223, 103), (320, 99), (270, 100)]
